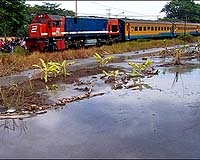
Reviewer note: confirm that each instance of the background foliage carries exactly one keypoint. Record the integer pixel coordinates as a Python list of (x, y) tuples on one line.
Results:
[(16, 15), (178, 10)]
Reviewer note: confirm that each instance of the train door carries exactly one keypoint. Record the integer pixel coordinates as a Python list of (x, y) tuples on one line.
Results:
[(173, 30), (49, 29), (128, 29)]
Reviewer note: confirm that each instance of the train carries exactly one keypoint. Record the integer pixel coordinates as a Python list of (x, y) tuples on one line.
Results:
[(56, 33)]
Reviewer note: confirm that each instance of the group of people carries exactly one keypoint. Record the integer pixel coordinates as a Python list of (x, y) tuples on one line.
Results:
[(8, 46)]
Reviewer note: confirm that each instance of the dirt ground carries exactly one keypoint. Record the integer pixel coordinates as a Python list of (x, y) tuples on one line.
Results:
[(27, 98)]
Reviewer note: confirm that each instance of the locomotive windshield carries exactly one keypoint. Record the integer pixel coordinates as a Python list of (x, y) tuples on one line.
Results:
[(40, 20), (56, 23), (114, 28)]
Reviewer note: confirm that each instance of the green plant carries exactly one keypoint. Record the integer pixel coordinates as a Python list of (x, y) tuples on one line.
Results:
[(185, 37), (3, 97), (111, 74), (17, 95), (137, 69), (165, 51), (53, 87), (20, 51), (197, 46), (177, 55), (53, 68), (31, 87), (64, 67), (44, 69), (142, 40), (102, 61), (13, 96)]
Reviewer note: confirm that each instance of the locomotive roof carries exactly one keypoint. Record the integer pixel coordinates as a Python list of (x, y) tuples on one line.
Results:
[(89, 17), (55, 17)]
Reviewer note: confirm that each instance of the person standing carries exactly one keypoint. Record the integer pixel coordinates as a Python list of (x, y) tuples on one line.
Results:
[(1, 43), (12, 44)]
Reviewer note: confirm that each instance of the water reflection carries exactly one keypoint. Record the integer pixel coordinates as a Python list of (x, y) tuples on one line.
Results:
[(177, 75), (12, 125), (186, 68)]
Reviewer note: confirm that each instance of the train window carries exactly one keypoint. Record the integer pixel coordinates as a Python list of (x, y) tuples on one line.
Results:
[(148, 28), (165, 28), (132, 28), (152, 28), (144, 29), (170, 28), (136, 28), (159, 28), (114, 28), (128, 27), (56, 24), (155, 28), (41, 20), (140, 28)]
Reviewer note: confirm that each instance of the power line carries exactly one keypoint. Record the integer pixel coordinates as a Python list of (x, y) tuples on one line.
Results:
[(124, 15), (117, 8)]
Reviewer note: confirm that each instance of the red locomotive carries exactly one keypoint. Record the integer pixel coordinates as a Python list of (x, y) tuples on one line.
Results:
[(52, 32)]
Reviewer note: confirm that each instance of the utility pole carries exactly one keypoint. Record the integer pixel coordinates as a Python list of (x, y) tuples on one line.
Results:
[(185, 25), (108, 12), (76, 8)]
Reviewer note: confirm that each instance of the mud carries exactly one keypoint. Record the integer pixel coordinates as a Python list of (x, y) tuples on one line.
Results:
[(33, 91)]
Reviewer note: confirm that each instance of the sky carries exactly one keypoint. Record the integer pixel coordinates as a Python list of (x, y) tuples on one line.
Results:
[(149, 10)]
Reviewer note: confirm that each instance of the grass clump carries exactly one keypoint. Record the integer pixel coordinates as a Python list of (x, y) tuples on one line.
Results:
[(185, 37)]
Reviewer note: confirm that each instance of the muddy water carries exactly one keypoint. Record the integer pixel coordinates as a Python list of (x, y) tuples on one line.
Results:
[(160, 122)]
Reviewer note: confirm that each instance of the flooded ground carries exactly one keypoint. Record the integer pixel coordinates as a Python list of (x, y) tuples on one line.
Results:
[(160, 121)]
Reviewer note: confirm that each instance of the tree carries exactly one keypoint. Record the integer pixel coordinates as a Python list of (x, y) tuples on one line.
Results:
[(12, 16), (180, 9), (50, 9), (15, 15)]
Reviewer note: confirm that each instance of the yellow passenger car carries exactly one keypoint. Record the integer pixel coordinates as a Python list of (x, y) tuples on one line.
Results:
[(191, 28), (135, 29)]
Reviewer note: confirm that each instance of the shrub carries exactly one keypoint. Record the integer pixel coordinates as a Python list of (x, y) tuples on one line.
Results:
[(185, 37), (21, 51)]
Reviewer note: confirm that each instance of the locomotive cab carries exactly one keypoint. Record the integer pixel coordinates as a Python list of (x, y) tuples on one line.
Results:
[(38, 27), (44, 25), (113, 28), (46, 33)]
